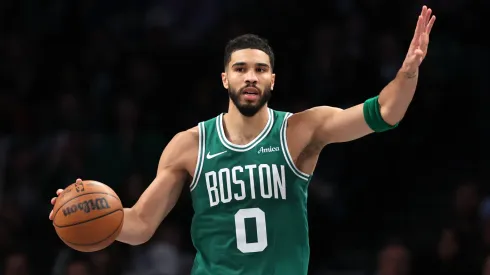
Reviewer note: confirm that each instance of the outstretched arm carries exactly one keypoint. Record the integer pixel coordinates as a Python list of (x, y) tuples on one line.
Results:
[(142, 220), (332, 125)]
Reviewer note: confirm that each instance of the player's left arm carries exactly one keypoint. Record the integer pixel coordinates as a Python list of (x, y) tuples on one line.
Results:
[(380, 113)]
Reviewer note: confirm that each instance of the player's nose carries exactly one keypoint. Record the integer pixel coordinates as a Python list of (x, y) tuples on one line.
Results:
[(251, 77)]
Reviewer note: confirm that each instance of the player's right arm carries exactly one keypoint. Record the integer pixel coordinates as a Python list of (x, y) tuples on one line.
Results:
[(176, 164), (142, 220)]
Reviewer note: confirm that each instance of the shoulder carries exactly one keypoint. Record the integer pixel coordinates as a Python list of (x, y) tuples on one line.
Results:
[(187, 140), (312, 117), (190, 134), (182, 150), (304, 126), (315, 113)]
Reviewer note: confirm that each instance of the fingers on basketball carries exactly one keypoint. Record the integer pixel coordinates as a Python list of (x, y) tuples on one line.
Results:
[(53, 200), (88, 216)]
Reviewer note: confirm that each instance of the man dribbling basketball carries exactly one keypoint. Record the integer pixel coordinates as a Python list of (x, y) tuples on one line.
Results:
[(249, 168)]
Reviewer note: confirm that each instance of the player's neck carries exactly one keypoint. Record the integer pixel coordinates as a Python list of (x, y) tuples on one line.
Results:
[(241, 129)]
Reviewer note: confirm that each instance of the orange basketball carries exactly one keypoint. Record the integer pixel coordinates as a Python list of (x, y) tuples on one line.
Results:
[(88, 216)]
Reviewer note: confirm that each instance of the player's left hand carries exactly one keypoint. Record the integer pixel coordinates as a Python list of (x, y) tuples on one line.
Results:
[(420, 41)]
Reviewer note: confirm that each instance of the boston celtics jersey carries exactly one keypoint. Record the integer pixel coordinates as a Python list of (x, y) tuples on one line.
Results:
[(249, 203)]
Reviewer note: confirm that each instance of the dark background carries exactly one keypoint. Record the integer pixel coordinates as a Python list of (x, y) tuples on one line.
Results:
[(95, 89)]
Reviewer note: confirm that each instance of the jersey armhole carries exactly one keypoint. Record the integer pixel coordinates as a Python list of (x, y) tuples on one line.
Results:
[(285, 150), (200, 156)]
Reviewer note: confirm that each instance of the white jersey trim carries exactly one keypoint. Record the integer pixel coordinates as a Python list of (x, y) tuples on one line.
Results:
[(250, 145), (285, 150), (200, 156)]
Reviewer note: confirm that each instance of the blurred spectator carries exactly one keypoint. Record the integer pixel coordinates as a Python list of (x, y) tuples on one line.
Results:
[(394, 259), (486, 266), (16, 263), (162, 255), (485, 217), (79, 267)]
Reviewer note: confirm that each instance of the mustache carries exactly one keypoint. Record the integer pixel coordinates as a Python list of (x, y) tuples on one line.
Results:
[(250, 86)]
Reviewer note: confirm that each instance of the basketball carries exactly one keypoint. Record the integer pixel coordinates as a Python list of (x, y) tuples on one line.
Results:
[(88, 216)]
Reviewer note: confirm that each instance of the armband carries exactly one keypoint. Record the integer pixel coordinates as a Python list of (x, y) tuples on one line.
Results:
[(372, 115)]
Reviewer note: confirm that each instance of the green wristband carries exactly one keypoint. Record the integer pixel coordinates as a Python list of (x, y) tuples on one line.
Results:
[(372, 115)]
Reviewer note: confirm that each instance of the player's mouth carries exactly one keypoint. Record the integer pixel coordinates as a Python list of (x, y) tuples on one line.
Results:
[(250, 93)]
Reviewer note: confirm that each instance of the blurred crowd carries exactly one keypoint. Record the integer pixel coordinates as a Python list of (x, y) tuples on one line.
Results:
[(95, 89)]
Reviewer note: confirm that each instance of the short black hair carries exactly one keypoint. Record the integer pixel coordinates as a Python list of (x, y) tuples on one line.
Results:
[(248, 41)]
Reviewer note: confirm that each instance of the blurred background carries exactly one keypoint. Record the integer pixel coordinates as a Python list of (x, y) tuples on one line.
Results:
[(95, 89)]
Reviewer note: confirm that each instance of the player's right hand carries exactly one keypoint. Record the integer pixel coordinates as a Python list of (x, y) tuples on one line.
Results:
[(53, 202)]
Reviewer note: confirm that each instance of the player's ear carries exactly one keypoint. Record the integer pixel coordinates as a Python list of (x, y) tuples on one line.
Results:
[(273, 81), (224, 79)]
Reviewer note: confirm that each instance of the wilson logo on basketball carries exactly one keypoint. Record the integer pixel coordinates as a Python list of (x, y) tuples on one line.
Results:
[(87, 206)]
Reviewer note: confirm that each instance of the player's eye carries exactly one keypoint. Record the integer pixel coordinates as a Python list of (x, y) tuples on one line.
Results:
[(240, 70)]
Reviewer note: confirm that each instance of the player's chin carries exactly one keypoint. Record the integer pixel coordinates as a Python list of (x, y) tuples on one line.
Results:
[(250, 102), (250, 99)]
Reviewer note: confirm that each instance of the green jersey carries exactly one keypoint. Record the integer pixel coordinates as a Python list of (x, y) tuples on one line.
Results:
[(249, 203)]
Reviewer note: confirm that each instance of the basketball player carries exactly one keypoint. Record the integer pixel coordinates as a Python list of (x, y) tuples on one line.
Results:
[(248, 169)]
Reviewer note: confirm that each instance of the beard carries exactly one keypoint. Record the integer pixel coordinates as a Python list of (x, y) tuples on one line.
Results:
[(247, 108)]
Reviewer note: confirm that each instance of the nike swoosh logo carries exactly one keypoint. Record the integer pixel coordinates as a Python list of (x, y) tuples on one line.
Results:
[(209, 156)]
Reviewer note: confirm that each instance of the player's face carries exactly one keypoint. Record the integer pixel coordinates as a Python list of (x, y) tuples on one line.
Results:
[(249, 80)]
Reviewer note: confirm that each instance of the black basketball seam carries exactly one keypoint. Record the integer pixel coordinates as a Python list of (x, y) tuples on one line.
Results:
[(78, 223), (80, 244), (81, 196)]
